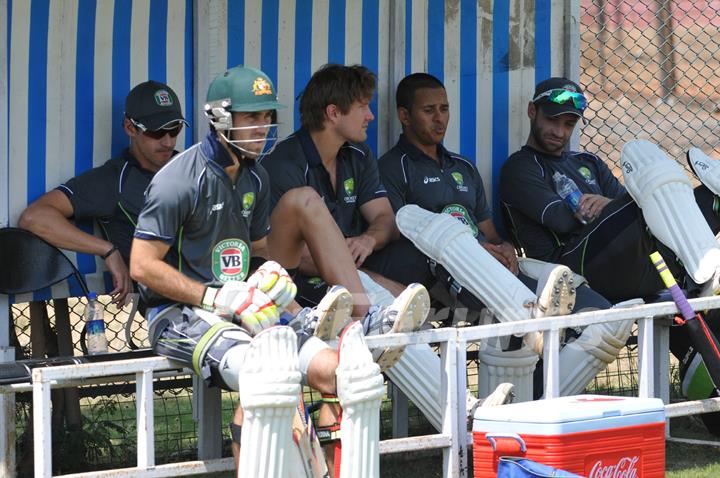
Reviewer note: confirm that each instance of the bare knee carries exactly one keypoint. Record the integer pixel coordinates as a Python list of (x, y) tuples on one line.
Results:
[(321, 372), (300, 198)]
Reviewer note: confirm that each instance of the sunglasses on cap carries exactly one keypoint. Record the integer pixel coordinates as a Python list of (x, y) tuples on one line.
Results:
[(173, 129), (562, 96)]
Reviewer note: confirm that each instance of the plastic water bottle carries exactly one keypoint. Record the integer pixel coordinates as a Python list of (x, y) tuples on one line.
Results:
[(95, 326), (571, 194)]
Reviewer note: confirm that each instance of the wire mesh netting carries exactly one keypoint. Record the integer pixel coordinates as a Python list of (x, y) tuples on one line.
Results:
[(649, 69)]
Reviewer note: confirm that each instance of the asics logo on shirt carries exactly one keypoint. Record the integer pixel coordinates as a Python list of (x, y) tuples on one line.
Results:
[(431, 180), (216, 207)]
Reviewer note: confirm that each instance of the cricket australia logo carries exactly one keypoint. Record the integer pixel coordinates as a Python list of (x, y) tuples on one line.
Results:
[(247, 203), (349, 186), (459, 182), (587, 175), (163, 98), (461, 214), (261, 87), (230, 260)]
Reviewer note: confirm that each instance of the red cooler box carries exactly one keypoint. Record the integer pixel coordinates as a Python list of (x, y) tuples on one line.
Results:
[(591, 435)]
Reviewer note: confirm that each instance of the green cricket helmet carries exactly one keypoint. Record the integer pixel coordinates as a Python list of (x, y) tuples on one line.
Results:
[(241, 89)]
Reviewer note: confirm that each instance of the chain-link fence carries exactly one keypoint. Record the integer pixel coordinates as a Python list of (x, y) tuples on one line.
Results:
[(650, 70)]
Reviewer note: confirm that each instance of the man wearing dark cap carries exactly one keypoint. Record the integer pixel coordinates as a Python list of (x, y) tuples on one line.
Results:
[(609, 232), (112, 194)]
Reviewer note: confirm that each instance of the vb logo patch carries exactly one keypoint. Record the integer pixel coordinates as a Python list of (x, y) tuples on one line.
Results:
[(163, 98), (247, 203), (261, 87), (230, 260), (461, 214), (349, 186)]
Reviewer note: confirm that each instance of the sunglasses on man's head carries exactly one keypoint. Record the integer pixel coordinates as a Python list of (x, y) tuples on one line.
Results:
[(173, 130), (562, 96)]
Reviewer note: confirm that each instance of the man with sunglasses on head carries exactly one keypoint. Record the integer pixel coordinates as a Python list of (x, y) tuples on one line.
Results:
[(610, 235), (112, 194)]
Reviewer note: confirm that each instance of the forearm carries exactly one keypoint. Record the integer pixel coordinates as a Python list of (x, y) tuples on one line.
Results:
[(167, 281), (61, 232), (382, 231)]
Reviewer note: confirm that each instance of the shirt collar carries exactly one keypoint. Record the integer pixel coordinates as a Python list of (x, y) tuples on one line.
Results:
[(133, 162), (536, 152), (415, 153), (215, 152), (308, 146)]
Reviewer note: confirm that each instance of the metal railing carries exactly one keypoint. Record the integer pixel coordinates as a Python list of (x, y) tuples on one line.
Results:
[(453, 438)]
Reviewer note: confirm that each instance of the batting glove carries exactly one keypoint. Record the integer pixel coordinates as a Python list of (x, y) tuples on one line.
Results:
[(248, 306), (274, 280)]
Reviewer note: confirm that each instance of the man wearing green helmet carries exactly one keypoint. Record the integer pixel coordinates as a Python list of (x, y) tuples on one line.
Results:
[(206, 214)]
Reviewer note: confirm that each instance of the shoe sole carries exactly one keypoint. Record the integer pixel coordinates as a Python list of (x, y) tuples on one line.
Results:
[(335, 310), (410, 317), (558, 295)]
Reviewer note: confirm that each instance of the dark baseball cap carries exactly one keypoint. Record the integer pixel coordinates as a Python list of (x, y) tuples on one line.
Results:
[(154, 105), (558, 96)]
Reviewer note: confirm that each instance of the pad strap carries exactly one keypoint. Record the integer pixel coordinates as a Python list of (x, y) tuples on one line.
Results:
[(328, 434), (204, 343), (235, 432)]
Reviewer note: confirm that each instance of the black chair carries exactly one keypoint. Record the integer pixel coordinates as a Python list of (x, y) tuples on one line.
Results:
[(29, 263)]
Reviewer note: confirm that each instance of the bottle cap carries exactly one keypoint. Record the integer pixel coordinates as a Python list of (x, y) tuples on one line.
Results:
[(92, 296)]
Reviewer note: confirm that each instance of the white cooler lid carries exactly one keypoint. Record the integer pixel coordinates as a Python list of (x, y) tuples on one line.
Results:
[(569, 414)]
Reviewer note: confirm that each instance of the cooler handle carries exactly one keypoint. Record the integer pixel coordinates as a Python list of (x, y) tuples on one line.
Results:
[(492, 436)]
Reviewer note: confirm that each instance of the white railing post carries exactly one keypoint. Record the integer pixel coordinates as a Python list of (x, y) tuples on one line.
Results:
[(145, 419), (461, 398), (42, 433), (551, 363), (646, 385), (448, 357), (7, 417)]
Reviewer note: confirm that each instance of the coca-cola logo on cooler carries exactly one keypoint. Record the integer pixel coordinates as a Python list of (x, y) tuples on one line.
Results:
[(624, 467)]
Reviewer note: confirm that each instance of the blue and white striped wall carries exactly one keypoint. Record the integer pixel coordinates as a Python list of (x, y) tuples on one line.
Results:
[(69, 64)]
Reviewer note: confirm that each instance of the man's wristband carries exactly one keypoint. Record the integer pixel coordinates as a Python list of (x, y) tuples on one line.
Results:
[(208, 300), (109, 253)]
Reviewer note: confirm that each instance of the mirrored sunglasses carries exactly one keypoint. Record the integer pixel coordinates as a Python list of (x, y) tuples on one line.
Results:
[(562, 96), (173, 130)]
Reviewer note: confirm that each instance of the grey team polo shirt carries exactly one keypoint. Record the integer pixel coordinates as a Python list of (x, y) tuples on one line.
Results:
[(541, 218), (208, 221), (295, 163), (451, 186), (111, 194)]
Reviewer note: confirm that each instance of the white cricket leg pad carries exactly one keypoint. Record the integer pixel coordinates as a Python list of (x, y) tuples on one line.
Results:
[(377, 294), (417, 374), (588, 355), (451, 243), (664, 193), (497, 367), (535, 269), (705, 168), (360, 389), (270, 386)]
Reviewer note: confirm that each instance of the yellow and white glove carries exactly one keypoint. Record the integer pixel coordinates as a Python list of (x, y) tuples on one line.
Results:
[(274, 280), (246, 305)]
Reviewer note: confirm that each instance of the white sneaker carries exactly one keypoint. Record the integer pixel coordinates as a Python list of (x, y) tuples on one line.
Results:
[(326, 320), (711, 287), (555, 296), (407, 313), (502, 395), (705, 168)]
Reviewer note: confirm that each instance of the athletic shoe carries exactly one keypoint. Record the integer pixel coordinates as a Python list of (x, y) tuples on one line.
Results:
[(711, 287), (502, 395), (705, 168), (326, 320), (555, 292), (406, 314)]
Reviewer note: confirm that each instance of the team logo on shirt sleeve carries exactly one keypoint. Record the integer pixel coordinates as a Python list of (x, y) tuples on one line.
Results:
[(247, 203), (230, 260), (461, 214), (349, 186)]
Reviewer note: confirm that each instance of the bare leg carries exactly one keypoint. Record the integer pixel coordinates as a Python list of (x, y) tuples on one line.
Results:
[(321, 377), (237, 420), (300, 218)]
